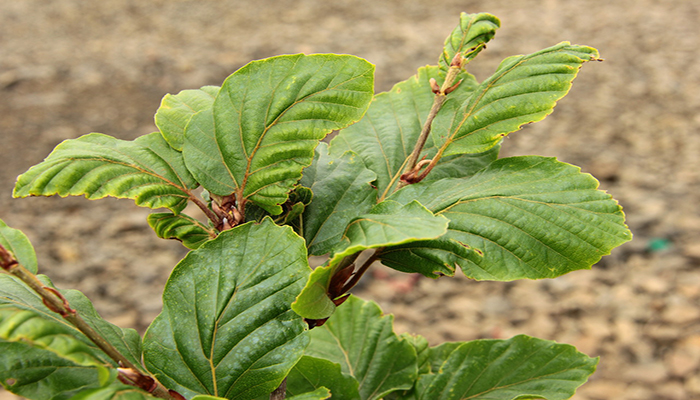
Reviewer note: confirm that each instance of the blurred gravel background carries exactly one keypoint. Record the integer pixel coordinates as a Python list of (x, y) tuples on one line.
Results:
[(70, 67)]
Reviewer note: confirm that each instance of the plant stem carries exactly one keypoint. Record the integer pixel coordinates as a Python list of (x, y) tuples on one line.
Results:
[(281, 392), (361, 271), (208, 212), (55, 301), (439, 100)]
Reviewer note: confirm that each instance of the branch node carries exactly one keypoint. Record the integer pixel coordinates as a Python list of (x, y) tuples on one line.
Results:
[(67, 310), (434, 86)]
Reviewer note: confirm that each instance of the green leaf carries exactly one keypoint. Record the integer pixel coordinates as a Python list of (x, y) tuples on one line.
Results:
[(226, 328), (386, 135), (362, 341), (342, 188), (146, 170), (206, 397), (17, 243), (318, 394), (176, 110), (14, 293), (523, 89), (531, 217), (184, 228), (432, 258), (420, 344), (115, 391), (517, 368), (312, 373), (473, 31), (267, 119), (388, 223), (41, 358)]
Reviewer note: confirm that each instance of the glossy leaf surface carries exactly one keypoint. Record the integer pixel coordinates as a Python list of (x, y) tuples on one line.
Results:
[(388, 223), (226, 328), (342, 188), (17, 243), (267, 119), (386, 135), (146, 170), (531, 217), (176, 110), (362, 341), (523, 89), (312, 373), (518, 368), (184, 228)]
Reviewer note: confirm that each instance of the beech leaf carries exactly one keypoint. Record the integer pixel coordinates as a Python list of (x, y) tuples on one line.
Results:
[(524, 89), (518, 368), (175, 112), (531, 217), (386, 135), (146, 170), (361, 340), (267, 119), (226, 329), (17, 243), (184, 228), (473, 31), (342, 191), (312, 373), (386, 224)]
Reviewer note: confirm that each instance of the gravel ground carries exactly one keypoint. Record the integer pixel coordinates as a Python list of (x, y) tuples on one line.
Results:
[(69, 67)]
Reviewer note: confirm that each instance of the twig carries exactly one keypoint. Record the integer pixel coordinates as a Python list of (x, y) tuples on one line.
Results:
[(55, 301), (281, 392), (361, 271), (440, 96)]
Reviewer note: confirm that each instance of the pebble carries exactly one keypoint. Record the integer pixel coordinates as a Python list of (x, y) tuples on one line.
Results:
[(649, 373)]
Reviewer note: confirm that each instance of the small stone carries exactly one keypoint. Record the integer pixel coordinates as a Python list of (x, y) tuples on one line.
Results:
[(650, 373), (684, 359), (652, 284), (692, 384), (662, 332), (603, 389), (636, 391), (672, 391), (682, 313), (680, 363), (626, 331), (692, 251)]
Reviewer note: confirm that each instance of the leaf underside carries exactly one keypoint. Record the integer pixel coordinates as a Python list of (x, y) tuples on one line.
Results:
[(17, 243), (473, 31), (184, 228), (146, 170)]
